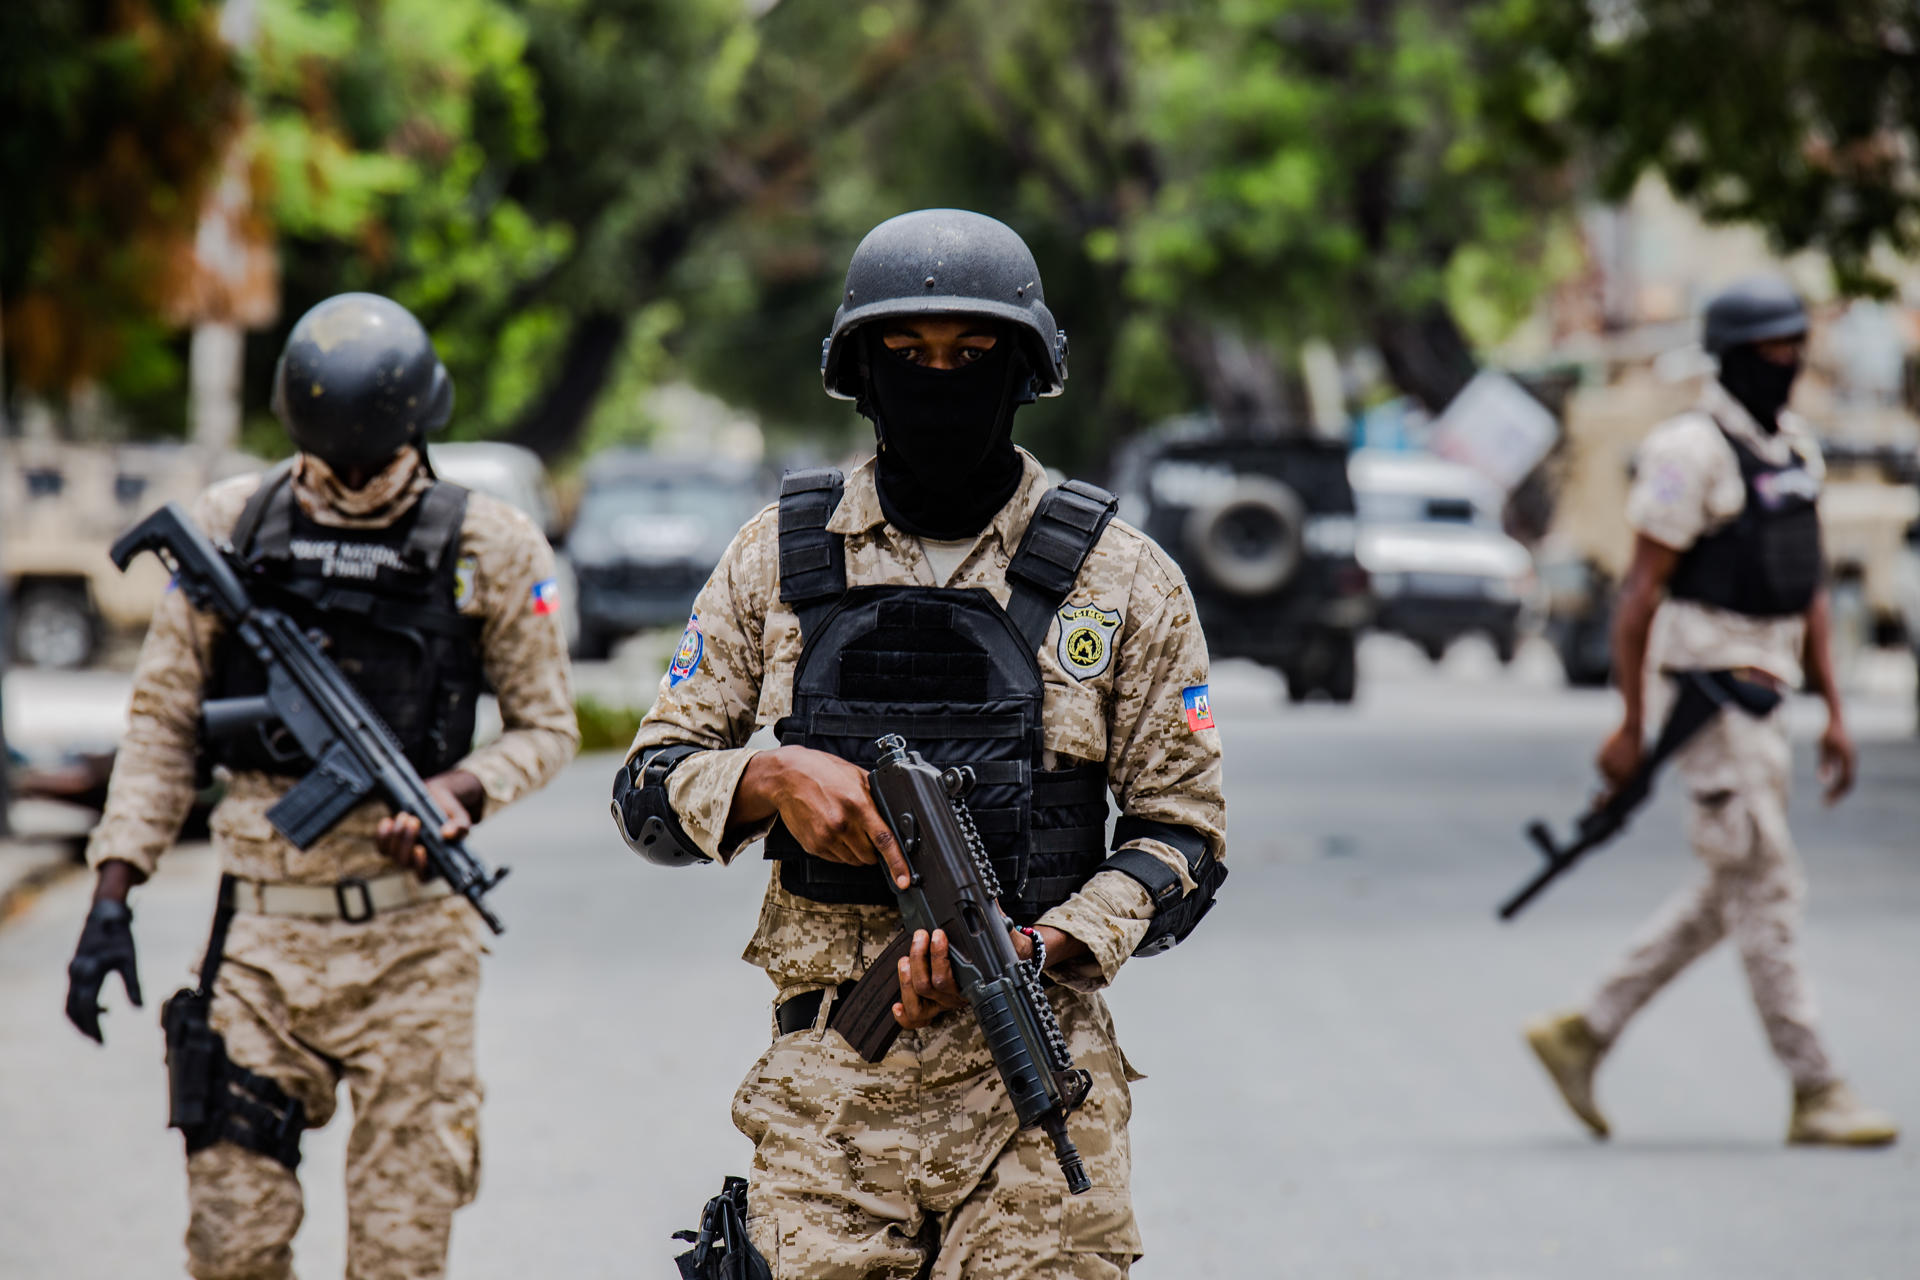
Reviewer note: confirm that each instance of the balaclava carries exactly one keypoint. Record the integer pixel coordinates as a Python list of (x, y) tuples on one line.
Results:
[(947, 461), (1758, 383)]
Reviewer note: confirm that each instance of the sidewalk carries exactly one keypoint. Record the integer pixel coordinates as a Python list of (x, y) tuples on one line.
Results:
[(47, 843)]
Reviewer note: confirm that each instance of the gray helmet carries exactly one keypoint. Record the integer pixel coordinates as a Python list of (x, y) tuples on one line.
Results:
[(1756, 309), (359, 381), (944, 262)]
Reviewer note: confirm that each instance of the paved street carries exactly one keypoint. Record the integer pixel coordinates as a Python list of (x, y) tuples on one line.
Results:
[(1337, 1087)]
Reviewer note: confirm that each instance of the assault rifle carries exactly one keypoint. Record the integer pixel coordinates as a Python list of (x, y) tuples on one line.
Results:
[(1702, 695), (310, 710), (954, 889)]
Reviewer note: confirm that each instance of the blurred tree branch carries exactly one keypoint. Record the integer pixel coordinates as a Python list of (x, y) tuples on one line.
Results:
[(116, 119), (1799, 116)]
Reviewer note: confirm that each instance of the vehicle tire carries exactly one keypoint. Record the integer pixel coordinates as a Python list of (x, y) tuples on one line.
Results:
[(1343, 670), (1434, 649), (54, 626), (1248, 543), (1586, 653), (1506, 647), (1298, 689)]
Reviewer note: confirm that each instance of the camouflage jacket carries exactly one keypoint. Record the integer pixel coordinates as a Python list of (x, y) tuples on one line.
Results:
[(1131, 715), (502, 559)]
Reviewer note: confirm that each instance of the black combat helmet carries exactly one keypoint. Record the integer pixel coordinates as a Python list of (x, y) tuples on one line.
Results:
[(944, 262), (359, 381), (1756, 309)]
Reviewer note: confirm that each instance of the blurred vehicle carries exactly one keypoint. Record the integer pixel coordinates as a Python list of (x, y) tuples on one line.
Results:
[(649, 531), (61, 506), (1264, 530), (1431, 543), (516, 476)]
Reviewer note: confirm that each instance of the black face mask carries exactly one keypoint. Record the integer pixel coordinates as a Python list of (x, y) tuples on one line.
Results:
[(1758, 383), (947, 461)]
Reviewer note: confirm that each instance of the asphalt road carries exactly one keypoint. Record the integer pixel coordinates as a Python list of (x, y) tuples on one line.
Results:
[(1336, 1083)]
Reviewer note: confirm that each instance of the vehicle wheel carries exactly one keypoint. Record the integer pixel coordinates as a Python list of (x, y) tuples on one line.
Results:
[(1434, 649), (54, 626), (1506, 646), (1248, 544), (1343, 672), (1586, 653), (1297, 687)]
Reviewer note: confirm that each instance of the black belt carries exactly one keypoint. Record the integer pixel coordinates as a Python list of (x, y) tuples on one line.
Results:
[(799, 1013)]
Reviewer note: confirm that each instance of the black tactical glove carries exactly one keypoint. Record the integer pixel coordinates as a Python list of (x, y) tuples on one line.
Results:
[(106, 945)]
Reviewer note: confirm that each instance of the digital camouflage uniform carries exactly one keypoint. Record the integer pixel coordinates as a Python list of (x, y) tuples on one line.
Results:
[(386, 1005), (1736, 771), (869, 1170)]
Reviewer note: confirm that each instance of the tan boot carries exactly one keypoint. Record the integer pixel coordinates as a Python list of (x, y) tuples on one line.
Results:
[(1830, 1115), (1570, 1052)]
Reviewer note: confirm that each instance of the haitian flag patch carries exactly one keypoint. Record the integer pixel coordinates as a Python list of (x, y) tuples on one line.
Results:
[(1199, 707), (687, 657), (546, 596)]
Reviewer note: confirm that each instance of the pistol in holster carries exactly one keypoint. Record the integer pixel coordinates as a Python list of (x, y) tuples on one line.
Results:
[(211, 1098)]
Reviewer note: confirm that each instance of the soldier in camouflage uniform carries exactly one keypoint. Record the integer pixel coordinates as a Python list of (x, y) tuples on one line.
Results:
[(338, 964), (914, 1165), (1725, 578)]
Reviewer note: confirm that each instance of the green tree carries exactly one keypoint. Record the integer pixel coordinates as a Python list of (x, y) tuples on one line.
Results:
[(385, 135), (1799, 116), (116, 117)]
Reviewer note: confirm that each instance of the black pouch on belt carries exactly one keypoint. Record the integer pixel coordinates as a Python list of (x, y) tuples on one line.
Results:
[(721, 1250), (210, 1098)]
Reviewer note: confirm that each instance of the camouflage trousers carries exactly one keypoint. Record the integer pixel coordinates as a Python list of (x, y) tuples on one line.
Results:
[(1737, 774), (914, 1167), (388, 1007)]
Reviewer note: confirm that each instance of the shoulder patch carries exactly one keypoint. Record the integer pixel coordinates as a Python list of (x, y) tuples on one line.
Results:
[(546, 594), (686, 659), (1199, 707), (463, 571), (1086, 639)]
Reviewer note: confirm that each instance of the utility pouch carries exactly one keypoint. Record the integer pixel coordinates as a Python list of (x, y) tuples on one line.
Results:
[(210, 1098), (721, 1250)]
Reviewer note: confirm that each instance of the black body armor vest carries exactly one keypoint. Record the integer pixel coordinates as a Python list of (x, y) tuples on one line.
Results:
[(385, 599), (959, 677), (1765, 562)]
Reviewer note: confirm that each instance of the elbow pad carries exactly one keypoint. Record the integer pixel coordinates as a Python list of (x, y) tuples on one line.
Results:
[(646, 821), (1174, 916)]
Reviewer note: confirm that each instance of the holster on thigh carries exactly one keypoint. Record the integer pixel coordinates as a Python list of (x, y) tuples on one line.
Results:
[(210, 1097), (721, 1250)]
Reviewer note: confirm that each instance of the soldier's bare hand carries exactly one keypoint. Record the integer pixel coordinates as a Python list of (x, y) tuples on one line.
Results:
[(825, 803), (1620, 755), (399, 835), (927, 985), (1837, 761), (1061, 947)]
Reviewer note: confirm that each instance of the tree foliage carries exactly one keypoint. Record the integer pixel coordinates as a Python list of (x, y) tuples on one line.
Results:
[(1796, 115), (116, 115), (583, 197)]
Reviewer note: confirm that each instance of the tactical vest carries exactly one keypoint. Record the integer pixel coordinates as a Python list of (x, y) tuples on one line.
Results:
[(386, 601), (1766, 561), (955, 674)]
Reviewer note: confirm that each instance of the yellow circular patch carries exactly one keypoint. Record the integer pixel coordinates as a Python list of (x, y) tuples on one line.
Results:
[(1085, 647)]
